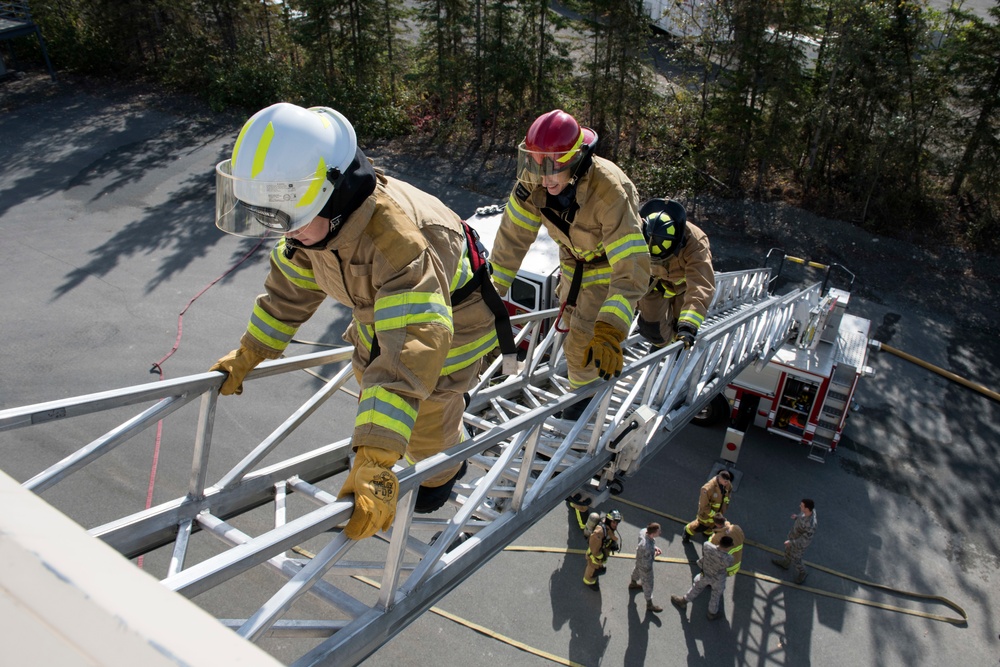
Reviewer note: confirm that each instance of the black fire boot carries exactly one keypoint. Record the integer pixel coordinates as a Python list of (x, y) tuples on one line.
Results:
[(432, 498), (573, 412)]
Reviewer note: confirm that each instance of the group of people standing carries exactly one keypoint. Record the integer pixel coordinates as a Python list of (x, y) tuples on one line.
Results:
[(722, 553)]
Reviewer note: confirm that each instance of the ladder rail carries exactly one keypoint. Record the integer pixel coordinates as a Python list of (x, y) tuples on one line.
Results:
[(514, 444)]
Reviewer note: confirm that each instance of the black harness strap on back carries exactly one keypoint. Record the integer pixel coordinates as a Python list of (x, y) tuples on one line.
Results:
[(481, 280)]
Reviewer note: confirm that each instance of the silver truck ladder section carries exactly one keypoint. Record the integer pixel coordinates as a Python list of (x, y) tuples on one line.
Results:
[(523, 462)]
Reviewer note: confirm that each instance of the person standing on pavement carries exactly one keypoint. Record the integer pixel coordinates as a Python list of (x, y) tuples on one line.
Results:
[(603, 542), (396, 256), (799, 538), (714, 499), (645, 555), (715, 562), (590, 208), (723, 528), (683, 281)]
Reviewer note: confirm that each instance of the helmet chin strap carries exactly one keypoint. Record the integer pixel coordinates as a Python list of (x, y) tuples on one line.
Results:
[(564, 203)]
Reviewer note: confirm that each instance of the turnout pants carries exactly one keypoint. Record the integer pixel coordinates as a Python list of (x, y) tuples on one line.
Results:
[(580, 321)]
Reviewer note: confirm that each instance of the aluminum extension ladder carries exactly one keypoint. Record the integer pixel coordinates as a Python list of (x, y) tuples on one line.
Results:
[(523, 462)]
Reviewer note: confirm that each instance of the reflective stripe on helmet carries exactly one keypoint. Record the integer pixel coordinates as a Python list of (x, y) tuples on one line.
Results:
[(260, 155), (568, 155)]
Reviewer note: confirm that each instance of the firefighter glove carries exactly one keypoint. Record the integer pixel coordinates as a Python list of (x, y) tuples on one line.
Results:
[(236, 364), (605, 350), (685, 333), (375, 488)]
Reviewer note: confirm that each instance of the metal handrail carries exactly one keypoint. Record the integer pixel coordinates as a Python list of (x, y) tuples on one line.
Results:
[(514, 448)]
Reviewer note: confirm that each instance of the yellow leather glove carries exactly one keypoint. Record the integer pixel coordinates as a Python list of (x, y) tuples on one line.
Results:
[(237, 364), (375, 488), (605, 350)]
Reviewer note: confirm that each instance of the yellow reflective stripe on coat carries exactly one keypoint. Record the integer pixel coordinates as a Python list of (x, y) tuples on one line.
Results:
[(735, 567), (667, 291), (401, 310), (463, 273), (501, 276), (269, 331), (295, 274), (587, 255), (466, 355), (593, 274), (691, 317), (626, 246), (521, 216), (574, 385), (618, 306), (366, 334), (383, 408)]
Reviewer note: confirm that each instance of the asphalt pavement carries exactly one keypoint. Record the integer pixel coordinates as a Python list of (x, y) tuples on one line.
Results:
[(106, 235)]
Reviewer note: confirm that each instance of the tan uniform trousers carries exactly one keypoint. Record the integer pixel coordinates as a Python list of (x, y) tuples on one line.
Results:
[(580, 321), (664, 312), (439, 419)]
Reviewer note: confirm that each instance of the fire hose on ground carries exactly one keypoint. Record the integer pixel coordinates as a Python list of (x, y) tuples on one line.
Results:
[(989, 393)]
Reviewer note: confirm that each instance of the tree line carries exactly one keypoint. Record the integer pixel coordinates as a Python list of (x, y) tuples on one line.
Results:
[(882, 112)]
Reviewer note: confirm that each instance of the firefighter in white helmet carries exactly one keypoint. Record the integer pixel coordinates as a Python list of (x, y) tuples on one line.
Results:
[(396, 255), (590, 207), (683, 280)]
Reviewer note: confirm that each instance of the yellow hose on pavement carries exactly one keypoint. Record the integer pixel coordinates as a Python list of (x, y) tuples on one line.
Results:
[(989, 393)]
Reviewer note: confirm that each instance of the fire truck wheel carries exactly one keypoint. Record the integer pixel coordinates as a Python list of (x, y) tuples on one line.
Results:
[(716, 412)]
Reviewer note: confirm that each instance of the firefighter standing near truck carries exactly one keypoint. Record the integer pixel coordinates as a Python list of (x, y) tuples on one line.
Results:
[(590, 208), (683, 280), (393, 254), (602, 542), (713, 499)]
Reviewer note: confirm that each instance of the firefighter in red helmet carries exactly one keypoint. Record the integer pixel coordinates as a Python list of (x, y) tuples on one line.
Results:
[(590, 207)]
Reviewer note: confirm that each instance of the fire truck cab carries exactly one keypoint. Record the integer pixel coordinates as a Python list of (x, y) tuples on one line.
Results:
[(534, 289), (806, 390)]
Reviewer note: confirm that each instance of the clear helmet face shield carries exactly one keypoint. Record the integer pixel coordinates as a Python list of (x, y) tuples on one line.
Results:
[(534, 165), (257, 209)]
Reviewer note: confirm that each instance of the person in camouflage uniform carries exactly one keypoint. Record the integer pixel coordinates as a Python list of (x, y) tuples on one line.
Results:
[(799, 537), (724, 527), (645, 554), (715, 561)]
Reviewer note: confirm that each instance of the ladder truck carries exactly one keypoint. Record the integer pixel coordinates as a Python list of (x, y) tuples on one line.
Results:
[(338, 600)]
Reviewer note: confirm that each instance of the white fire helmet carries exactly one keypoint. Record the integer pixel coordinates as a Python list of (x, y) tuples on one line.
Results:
[(285, 164)]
